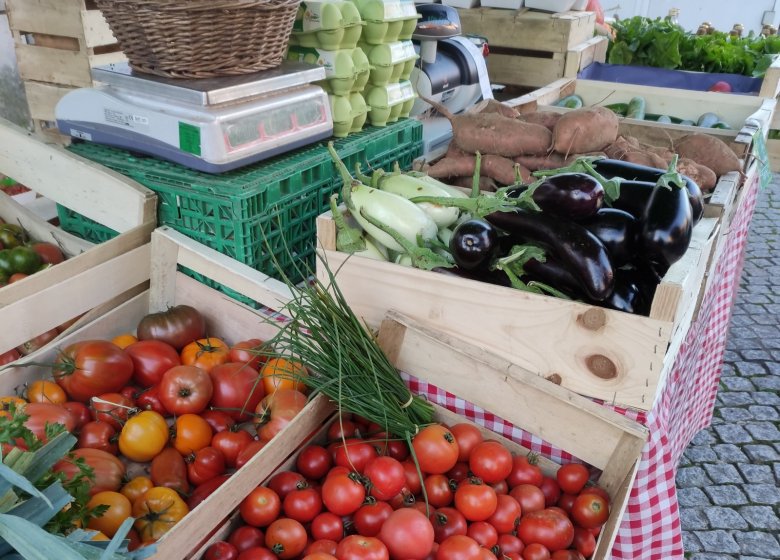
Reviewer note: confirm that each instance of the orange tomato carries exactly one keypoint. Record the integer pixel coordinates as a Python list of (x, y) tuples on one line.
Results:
[(43, 391), (156, 512), (99, 536), (143, 436), (7, 403), (192, 434), (205, 353), (124, 340), (279, 373), (119, 509), (136, 487)]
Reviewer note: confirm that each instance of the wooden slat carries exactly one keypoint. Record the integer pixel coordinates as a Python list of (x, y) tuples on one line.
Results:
[(770, 87), (723, 196), (585, 54), (95, 191), (54, 17), (527, 29), (547, 95), (43, 97), (46, 64), (524, 70), (97, 33), (773, 149)]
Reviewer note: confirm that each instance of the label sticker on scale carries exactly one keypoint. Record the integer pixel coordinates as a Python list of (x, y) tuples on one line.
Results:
[(125, 119), (189, 138)]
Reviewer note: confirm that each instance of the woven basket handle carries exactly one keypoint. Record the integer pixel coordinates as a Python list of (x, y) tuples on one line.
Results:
[(199, 5)]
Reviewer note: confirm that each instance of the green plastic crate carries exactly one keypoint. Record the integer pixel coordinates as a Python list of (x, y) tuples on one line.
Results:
[(260, 212)]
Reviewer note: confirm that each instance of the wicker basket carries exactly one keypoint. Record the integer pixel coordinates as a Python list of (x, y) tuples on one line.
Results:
[(201, 38)]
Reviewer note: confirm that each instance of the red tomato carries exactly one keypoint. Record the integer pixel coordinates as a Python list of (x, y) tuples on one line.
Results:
[(328, 526), (90, 368), (341, 429), (721, 86), (151, 359), (314, 462), (238, 389), (484, 533), (205, 490), (507, 514), (458, 547), (438, 490), (501, 487), (248, 352), (572, 477), (567, 555), (357, 547), (413, 482), (80, 412), (302, 504), (111, 408), (390, 446), (551, 491), (185, 390), (524, 472), (8, 357), (530, 498), (231, 444), (584, 541), (548, 528), (261, 507), (169, 470), (590, 511), (149, 399), (343, 494), (98, 435), (354, 454), (252, 448), (130, 391), (476, 501), (323, 546), (246, 537), (178, 326), (594, 490), (36, 343), (286, 538), (386, 477), (407, 534), (536, 551), (49, 252), (490, 461), (40, 414), (204, 465), (221, 550), (459, 472), (486, 554), (319, 556), (369, 518), (509, 544), (566, 501), (108, 470), (468, 437), (218, 420), (436, 449), (285, 482), (257, 553)]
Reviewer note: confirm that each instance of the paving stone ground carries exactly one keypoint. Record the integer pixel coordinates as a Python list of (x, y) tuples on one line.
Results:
[(729, 478)]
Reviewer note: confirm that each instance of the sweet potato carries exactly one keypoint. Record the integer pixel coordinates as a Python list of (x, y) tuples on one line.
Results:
[(702, 175), (645, 158), (708, 151), (535, 163), (585, 130), (485, 183), (547, 119), (493, 106), (496, 167), (492, 133)]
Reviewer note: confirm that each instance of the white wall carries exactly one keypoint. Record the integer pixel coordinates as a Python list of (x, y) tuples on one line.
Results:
[(723, 14)]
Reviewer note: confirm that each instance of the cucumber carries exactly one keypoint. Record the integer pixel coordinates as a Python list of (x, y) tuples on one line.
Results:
[(707, 120), (618, 108), (636, 108), (722, 125), (570, 102), (687, 122), (665, 119)]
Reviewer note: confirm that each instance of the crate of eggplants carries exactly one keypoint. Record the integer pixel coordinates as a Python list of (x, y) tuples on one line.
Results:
[(611, 251)]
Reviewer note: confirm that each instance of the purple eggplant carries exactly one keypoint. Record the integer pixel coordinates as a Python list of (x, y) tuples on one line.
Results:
[(569, 195), (555, 275), (618, 231), (474, 244), (570, 244), (627, 295), (634, 196)]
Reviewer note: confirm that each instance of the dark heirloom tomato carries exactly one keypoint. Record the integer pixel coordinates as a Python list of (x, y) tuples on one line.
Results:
[(151, 359), (48, 252), (10, 356), (178, 326), (169, 470), (90, 368), (98, 435)]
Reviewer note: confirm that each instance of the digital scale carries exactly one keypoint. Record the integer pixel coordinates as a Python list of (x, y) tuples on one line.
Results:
[(212, 125)]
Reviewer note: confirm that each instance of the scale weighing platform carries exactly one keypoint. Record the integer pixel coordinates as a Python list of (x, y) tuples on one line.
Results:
[(212, 125)]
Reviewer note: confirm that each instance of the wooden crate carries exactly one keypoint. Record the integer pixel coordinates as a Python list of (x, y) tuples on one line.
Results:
[(601, 353), (57, 42), (603, 438), (97, 192), (155, 264)]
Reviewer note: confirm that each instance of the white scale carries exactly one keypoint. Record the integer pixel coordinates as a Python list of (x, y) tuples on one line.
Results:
[(212, 125)]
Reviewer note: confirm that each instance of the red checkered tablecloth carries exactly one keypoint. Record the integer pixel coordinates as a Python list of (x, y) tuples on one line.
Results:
[(651, 525)]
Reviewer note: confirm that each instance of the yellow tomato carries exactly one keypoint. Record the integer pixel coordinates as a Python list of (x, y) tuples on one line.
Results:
[(124, 340), (279, 373), (43, 391), (137, 487), (143, 436), (119, 509), (8, 403), (100, 536), (205, 353), (157, 511)]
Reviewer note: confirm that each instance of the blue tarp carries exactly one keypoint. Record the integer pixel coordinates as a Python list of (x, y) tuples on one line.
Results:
[(661, 77)]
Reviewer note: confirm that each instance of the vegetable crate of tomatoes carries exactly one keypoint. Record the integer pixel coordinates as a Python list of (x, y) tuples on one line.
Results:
[(602, 353), (176, 413), (44, 263), (351, 493)]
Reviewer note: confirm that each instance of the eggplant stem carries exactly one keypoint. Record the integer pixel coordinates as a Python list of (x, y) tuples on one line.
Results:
[(365, 179), (576, 167), (512, 265), (348, 239), (672, 176), (422, 257), (611, 186)]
